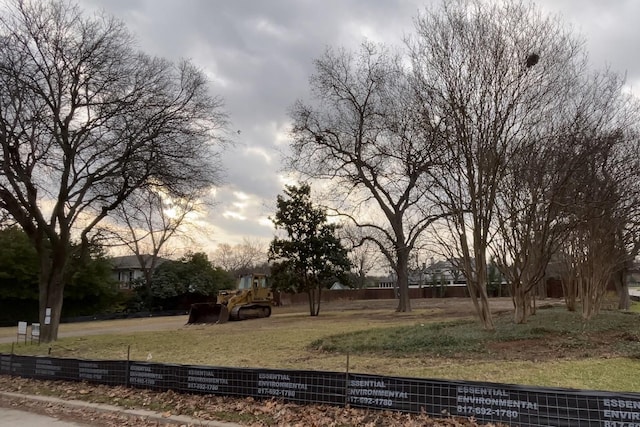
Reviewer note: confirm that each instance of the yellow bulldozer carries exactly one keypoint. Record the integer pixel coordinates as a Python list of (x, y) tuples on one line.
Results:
[(252, 299)]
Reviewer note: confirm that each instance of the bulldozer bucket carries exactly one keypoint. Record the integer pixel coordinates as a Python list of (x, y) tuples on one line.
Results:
[(208, 313)]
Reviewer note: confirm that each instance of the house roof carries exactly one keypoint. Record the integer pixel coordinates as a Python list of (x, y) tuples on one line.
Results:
[(131, 262)]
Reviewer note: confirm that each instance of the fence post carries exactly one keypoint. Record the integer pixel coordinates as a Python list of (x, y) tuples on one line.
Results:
[(126, 373), (11, 361), (346, 385)]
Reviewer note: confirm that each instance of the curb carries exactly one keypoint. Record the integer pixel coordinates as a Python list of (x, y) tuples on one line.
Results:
[(101, 407)]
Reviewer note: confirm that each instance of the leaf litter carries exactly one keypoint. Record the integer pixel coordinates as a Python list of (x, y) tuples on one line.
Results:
[(242, 411)]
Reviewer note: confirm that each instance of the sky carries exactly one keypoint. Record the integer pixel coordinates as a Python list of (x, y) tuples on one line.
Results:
[(258, 55)]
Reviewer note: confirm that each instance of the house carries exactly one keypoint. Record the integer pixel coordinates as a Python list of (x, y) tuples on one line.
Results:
[(633, 275), (127, 269), (443, 273), (337, 286), (445, 278)]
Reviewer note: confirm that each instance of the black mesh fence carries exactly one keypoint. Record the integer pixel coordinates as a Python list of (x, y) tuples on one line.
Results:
[(487, 402)]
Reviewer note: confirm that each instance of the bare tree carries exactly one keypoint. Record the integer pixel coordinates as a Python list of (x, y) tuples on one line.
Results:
[(606, 237), (491, 72), (361, 137), (592, 255), (85, 120), (363, 253), (146, 221), (6, 220), (531, 221), (241, 258), (546, 178), (628, 230), (624, 226)]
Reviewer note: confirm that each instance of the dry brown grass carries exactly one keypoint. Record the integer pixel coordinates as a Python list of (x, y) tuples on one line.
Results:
[(282, 341)]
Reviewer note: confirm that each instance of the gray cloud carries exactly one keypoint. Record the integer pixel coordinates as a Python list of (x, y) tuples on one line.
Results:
[(259, 55), (610, 30)]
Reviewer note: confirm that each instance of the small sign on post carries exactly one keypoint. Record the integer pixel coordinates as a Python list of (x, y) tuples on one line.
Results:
[(35, 332), (47, 316), (22, 330)]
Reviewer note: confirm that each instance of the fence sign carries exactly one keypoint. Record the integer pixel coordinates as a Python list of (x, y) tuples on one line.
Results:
[(22, 331), (487, 402), (35, 332)]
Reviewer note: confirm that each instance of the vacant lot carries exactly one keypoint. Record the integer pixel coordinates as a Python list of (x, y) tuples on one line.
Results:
[(436, 340), (285, 341)]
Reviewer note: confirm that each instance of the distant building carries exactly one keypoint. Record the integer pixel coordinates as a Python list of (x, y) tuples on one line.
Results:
[(440, 273), (337, 286), (633, 275), (127, 269), (444, 278)]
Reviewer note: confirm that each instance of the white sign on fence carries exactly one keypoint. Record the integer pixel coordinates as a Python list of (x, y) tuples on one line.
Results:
[(35, 332), (22, 330)]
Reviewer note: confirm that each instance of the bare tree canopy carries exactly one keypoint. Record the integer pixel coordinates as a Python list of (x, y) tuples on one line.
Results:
[(551, 189), (145, 223), (242, 258), (85, 120), (361, 135), (365, 255), (480, 133), (492, 72), (604, 238)]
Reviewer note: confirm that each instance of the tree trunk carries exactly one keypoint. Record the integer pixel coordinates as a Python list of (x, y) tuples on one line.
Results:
[(479, 294), (622, 288), (318, 301), (475, 271), (519, 305), (51, 297), (569, 288), (532, 303), (402, 271), (530, 295), (310, 297), (480, 299), (587, 298), (485, 312), (51, 284), (524, 301), (314, 301)]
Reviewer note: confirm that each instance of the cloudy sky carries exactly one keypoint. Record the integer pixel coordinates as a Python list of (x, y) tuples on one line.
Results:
[(258, 55)]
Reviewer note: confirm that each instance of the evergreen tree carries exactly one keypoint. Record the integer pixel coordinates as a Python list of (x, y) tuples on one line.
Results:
[(176, 284), (89, 287), (311, 257)]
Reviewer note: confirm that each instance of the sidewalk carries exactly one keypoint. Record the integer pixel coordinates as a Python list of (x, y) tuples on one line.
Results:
[(15, 417)]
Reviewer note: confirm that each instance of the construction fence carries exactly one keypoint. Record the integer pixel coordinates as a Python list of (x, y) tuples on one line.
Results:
[(487, 402)]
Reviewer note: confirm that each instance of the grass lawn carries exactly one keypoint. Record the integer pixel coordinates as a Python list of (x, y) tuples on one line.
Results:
[(435, 340)]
